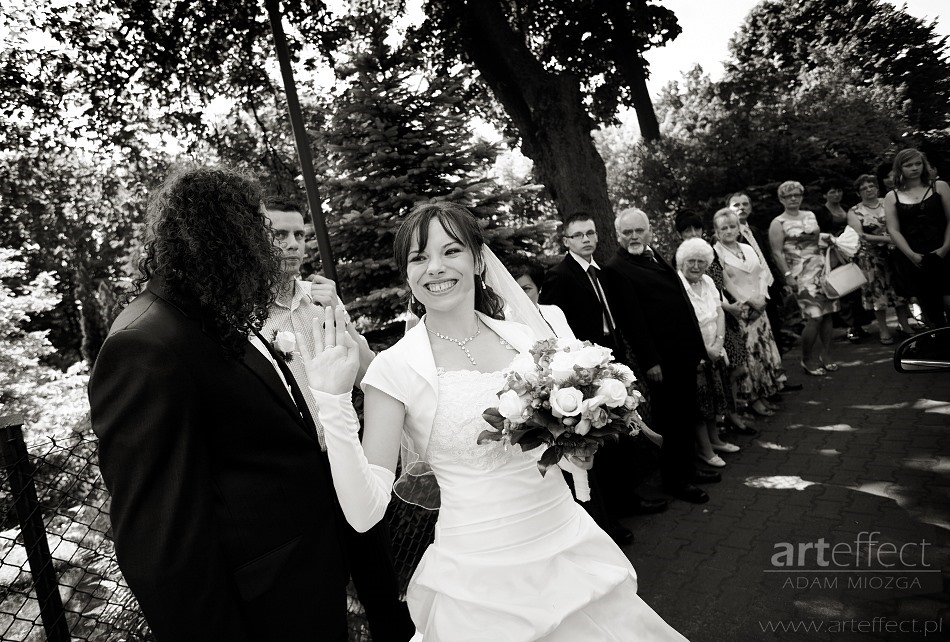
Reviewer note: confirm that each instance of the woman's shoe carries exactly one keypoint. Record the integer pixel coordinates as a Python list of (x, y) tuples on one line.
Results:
[(830, 367), (817, 372), (887, 341), (715, 460), (740, 427), (761, 409), (725, 447)]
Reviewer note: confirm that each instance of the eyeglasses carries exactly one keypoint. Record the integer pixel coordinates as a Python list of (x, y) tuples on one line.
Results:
[(793, 195), (577, 236)]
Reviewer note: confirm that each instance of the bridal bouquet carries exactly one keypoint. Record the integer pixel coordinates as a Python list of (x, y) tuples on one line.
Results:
[(568, 395)]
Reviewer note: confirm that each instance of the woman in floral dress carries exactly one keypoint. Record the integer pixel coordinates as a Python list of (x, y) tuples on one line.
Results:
[(867, 219), (794, 237)]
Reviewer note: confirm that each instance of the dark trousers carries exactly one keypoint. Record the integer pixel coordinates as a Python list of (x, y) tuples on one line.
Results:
[(675, 410), (371, 566)]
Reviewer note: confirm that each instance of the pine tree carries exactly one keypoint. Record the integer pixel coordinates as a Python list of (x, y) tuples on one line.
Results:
[(399, 137)]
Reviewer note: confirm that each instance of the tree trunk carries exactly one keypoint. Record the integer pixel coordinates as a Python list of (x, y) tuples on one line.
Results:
[(550, 116), (629, 60)]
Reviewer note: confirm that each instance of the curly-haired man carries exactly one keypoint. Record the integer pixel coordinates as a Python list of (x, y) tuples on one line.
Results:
[(225, 520)]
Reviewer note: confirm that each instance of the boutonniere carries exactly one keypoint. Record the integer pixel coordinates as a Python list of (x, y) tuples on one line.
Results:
[(284, 344)]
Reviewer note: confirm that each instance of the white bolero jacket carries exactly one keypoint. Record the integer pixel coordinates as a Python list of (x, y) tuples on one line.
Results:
[(407, 372)]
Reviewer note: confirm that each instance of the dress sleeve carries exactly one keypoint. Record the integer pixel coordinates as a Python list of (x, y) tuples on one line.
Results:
[(385, 377)]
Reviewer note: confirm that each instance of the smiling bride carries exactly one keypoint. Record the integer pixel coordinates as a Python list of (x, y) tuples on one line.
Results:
[(514, 557)]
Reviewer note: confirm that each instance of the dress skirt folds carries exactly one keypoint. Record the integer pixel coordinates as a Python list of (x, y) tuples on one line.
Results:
[(514, 557)]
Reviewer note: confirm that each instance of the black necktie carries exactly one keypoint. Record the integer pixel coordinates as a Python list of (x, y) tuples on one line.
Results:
[(295, 392), (605, 311)]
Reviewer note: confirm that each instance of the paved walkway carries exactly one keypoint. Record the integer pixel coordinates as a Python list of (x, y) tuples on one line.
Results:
[(860, 455)]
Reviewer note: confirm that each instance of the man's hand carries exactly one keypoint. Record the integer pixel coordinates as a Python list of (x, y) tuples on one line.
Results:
[(323, 291), (655, 374), (333, 366)]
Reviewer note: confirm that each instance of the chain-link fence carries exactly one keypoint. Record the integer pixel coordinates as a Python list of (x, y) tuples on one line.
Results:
[(58, 576)]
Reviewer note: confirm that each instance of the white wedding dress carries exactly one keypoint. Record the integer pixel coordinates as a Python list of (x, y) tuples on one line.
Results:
[(514, 557)]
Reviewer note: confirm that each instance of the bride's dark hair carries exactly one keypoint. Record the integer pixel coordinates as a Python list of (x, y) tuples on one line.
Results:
[(458, 223)]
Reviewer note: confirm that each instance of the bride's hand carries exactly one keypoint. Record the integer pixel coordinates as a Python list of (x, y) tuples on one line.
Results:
[(333, 366)]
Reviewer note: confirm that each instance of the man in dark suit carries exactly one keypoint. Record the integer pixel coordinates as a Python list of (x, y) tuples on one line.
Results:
[(225, 520), (658, 322), (299, 303), (584, 294)]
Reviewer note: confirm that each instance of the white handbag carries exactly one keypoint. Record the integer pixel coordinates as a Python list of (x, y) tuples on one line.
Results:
[(842, 280)]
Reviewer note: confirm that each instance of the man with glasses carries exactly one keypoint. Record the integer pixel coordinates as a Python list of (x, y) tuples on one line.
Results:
[(586, 296)]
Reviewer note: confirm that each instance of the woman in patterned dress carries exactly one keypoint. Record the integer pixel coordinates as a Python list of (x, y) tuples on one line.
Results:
[(867, 219), (794, 235), (746, 281)]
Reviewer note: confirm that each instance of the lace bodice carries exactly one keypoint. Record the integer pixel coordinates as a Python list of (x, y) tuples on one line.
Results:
[(463, 395)]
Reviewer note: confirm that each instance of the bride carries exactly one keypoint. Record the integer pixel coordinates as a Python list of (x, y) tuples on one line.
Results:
[(514, 557)]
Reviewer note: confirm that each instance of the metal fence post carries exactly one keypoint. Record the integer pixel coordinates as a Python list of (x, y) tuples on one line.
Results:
[(15, 462)]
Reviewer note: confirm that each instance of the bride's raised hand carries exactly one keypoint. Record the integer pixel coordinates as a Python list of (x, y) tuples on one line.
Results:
[(335, 361)]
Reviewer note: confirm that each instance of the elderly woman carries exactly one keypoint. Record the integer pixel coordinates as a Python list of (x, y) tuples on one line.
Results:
[(794, 236), (746, 281), (867, 219), (918, 219), (693, 257)]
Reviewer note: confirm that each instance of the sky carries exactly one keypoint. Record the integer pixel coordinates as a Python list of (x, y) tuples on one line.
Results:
[(709, 25)]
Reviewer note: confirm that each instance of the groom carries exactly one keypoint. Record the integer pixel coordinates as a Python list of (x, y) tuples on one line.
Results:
[(225, 521)]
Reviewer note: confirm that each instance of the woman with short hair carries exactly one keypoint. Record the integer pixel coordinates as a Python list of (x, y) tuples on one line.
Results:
[(868, 220), (746, 281), (693, 258), (794, 237)]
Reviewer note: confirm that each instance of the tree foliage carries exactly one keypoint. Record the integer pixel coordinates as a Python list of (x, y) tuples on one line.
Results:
[(396, 139), (49, 399), (780, 42), (814, 91)]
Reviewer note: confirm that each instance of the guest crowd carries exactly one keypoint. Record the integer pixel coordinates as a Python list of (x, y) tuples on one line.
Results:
[(252, 498), (705, 329)]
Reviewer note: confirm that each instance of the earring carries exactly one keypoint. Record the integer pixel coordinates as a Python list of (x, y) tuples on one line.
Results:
[(482, 279)]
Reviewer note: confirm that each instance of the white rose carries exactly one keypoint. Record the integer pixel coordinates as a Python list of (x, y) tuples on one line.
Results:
[(562, 366), (614, 392), (566, 402), (285, 342), (623, 373), (511, 406), (525, 366), (591, 356)]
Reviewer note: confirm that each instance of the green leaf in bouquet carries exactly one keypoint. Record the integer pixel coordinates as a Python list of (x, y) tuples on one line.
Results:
[(494, 418), (529, 438), (549, 458), (489, 435)]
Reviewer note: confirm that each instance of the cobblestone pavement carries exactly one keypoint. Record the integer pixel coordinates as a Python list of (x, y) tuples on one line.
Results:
[(859, 456)]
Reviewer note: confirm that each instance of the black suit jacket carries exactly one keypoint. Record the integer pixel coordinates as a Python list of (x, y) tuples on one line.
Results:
[(568, 287), (225, 521), (655, 315)]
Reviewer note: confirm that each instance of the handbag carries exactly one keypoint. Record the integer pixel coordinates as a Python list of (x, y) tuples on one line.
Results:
[(842, 280)]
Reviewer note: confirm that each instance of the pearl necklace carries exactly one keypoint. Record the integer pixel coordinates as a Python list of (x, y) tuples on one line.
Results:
[(461, 342)]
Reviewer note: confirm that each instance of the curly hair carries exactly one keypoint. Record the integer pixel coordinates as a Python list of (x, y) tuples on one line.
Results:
[(209, 240), (458, 223)]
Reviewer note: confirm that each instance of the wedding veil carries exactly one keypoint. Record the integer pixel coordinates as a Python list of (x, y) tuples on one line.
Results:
[(417, 484)]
